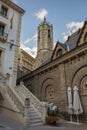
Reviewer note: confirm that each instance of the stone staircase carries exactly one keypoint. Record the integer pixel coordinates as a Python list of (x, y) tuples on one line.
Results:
[(35, 119), (16, 97), (37, 109), (11, 105)]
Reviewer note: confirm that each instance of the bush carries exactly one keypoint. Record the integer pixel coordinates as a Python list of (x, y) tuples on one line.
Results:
[(52, 111), (52, 114), (51, 120)]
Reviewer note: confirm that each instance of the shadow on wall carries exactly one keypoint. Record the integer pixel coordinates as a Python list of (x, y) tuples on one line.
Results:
[(20, 73)]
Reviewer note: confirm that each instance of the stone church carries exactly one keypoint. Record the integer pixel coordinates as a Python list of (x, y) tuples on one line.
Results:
[(56, 70), (59, 68)]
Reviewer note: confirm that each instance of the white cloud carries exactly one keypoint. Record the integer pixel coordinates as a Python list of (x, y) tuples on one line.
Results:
[(74, 26), (41, 14), (71, 28), (29, 45), (28, 40), (30, 51), (15, 1), (65, 37)]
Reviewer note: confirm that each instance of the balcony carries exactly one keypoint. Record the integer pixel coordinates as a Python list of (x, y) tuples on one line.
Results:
[(3, 37)]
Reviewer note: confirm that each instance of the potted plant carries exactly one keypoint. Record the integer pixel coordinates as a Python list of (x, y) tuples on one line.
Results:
[(52, 115)]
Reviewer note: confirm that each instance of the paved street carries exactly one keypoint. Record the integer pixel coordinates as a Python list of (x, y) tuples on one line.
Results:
[(58, 128), (9, 124), (61, 126)]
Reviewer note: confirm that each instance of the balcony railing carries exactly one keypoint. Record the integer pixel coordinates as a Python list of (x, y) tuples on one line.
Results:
[(3, 37), (3, 15)]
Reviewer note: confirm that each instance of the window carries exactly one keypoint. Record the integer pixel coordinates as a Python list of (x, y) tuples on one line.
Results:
[(84, 86), (39, 35), (1, 30), (59, 53), (49, 92), (48, 33), (4, 11)]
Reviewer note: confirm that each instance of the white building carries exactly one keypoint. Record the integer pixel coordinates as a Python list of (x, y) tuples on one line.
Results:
[(10, 26), (14, 100)]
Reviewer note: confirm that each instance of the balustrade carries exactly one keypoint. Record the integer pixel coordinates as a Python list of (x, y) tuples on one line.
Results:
[(41, 107), (15, 98), (10, 93)]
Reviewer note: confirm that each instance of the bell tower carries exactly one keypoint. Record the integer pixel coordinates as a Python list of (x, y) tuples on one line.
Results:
[(44, 42)]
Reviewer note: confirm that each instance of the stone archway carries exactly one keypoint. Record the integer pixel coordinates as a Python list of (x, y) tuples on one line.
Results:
[(78, 75), (80, 79), (83, 85), (48, 90)]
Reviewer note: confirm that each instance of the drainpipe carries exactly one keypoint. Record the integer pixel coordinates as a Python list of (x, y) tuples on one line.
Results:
[(65, 81)]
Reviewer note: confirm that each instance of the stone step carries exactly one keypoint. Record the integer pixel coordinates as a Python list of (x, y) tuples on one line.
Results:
[(31, 108), (35, 117), (36, 121), (33, 114), (32, 111), (35, 124)]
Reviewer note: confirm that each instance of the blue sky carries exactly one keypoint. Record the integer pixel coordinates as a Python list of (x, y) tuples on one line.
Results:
[(66, 16)]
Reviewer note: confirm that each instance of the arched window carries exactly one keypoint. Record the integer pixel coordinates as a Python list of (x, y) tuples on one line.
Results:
[(49, 92), (38, 34), (84, 86), (49, 33), (1, 30), (59, 53), (85, 37)]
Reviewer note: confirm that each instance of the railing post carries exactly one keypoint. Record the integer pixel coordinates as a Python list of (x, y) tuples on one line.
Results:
[(27, 120), (21, 83), (45, 105)]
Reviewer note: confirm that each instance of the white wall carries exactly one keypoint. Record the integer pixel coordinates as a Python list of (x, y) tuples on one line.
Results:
[(8, 58)]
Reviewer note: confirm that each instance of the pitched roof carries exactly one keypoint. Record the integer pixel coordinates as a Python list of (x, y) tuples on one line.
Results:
[(82, 31), (72, 40), (63, 45)]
